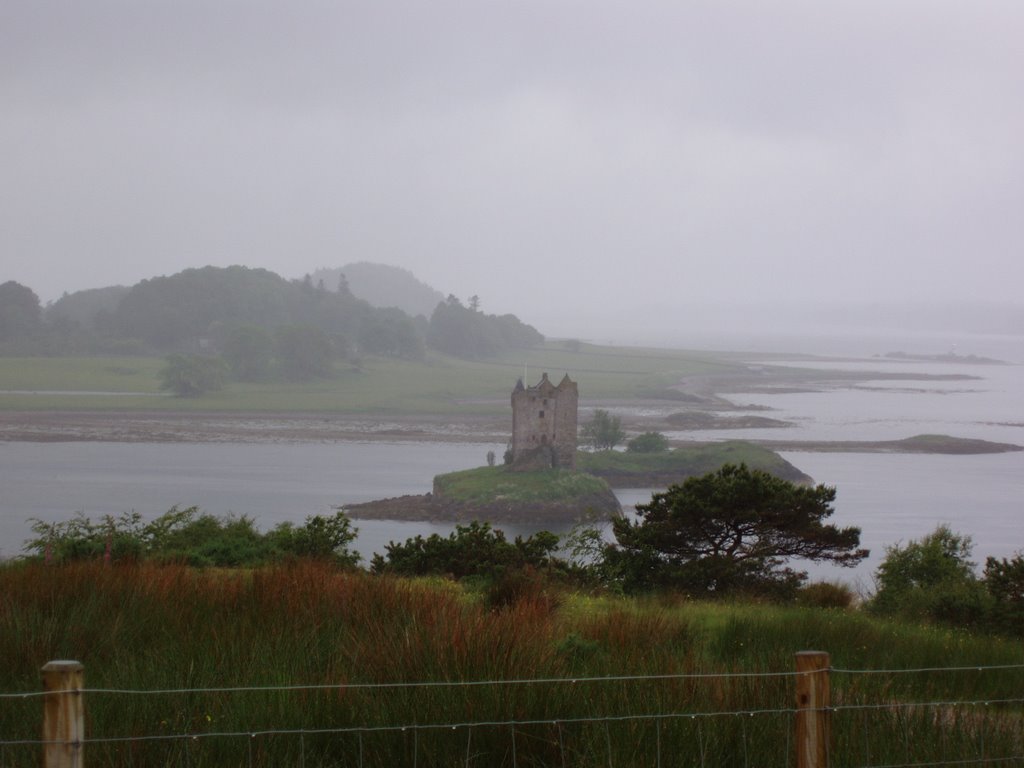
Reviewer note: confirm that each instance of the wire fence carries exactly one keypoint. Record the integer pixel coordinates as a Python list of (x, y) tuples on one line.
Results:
[(811, 717)]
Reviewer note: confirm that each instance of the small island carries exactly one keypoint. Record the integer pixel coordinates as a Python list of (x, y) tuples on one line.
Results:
[(947, 357), (497, 495), (546, 479)]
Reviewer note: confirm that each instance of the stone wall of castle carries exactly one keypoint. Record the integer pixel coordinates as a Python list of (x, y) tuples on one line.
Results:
[(544, 423)]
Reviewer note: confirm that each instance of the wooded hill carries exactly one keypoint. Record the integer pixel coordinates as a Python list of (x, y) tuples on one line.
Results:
[(206, 310)]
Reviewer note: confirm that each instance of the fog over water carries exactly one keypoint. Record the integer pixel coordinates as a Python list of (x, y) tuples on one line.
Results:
[(600, 169)]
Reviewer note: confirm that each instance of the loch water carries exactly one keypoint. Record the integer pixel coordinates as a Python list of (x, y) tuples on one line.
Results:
[(891, 497)]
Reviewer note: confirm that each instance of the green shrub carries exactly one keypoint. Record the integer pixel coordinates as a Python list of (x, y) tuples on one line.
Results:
[(193, 375), (470, 550), (932, 579), (189, 537), (826, 594), (324, 538), (648, 442), (1004, 580)]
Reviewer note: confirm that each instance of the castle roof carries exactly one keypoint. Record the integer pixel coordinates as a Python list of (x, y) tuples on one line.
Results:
[(544, 387)]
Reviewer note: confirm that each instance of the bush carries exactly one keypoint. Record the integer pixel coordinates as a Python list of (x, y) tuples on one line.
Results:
[(932, 579), (321, 538), (826, 594), (186, 536), (474, 550), (648, 442), (1004, 580), (604, 431), (193, 375)]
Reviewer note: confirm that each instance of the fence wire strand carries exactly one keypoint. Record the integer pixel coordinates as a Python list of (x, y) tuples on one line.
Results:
[(704, 741), (520, 681), (918, 670), (936, 764), (420, 684), (415, 727)]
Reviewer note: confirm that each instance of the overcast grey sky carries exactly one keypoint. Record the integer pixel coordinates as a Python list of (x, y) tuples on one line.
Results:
[(563, 159)]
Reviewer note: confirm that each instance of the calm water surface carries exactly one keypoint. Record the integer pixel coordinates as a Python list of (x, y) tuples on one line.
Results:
[(892, 497), (267, 482)]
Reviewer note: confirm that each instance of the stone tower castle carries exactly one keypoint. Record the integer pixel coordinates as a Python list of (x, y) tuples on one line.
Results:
[(544, 424)]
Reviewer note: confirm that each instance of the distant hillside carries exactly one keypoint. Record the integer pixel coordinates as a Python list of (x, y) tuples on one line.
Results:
[(217, 308), (467, 332), (167, 312), (88, 308), (383, 286)]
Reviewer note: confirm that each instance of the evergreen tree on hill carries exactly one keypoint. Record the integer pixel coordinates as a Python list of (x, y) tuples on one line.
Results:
[(383, 285), (20, 315), (171, 312), (89, 309), (464, 332)]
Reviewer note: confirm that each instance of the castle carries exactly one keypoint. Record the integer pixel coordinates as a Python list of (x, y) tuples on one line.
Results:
[(544, 425)]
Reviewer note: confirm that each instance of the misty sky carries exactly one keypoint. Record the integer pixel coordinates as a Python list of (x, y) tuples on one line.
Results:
[(563, 159)]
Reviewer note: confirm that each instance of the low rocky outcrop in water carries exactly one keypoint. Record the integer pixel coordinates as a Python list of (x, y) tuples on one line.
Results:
[(429, 507), (700, 420), (625, 469), (937, 444)]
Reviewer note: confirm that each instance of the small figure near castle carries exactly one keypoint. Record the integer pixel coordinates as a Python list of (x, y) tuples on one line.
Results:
[(544, 420)]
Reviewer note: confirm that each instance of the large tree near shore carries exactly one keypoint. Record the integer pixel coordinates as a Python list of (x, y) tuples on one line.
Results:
[(730, 531)]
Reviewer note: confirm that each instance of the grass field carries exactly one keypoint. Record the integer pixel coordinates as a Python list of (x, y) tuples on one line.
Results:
[(150, 628), (380, 386)]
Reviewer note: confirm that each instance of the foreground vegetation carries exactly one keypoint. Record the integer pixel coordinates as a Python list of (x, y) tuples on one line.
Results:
[(473, 648), (151, 628)]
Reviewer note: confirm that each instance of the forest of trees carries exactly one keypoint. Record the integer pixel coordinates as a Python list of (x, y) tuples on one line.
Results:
[(257, 322)]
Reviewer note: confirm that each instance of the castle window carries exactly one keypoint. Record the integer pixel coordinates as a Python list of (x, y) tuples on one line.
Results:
[(542, 414)]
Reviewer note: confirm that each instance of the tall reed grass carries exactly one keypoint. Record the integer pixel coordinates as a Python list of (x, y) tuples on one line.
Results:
[(150, 628)]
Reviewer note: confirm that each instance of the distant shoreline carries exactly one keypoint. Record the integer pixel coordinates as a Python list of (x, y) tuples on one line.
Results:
[(285, 428), (694, 402), (242, 427)]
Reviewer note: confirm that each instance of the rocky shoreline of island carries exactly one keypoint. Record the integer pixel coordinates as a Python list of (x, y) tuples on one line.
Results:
[(432, 508)]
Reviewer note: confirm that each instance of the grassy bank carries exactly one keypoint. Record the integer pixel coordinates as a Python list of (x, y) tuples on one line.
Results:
[(487, 484), (379, 385), (624, 469), (154, 628)]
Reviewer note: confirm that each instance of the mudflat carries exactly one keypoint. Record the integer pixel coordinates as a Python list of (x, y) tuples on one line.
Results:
[(236, 427)]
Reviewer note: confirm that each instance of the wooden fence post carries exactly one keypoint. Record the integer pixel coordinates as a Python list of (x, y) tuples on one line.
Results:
[(63, 714), (813, 717)]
